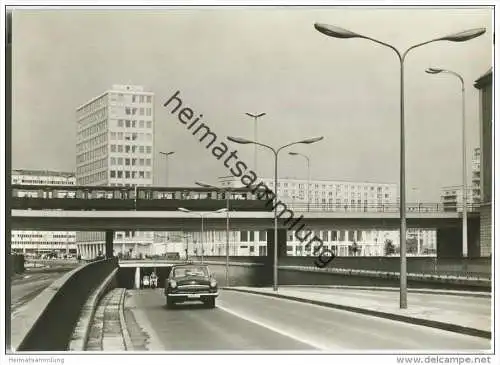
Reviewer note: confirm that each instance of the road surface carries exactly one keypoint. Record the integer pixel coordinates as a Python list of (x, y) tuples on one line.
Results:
[(253, 322), (27, 286)]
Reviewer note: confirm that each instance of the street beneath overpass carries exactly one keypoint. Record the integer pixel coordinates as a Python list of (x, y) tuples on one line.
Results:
[(244, 321)]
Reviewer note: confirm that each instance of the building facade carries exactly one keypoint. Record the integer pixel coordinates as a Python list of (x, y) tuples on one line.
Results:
[(323, 194), (115, 147), (484, 85), (476, 176), (42, 242), (452, 197)]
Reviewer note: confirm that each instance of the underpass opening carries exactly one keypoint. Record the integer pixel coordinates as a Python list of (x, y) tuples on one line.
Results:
[(127, 275)]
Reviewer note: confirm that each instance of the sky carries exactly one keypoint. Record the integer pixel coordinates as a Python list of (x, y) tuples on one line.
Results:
[(229, 61)]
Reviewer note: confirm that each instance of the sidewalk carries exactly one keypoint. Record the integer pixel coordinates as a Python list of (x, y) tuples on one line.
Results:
[(107, 332), (469, 315)]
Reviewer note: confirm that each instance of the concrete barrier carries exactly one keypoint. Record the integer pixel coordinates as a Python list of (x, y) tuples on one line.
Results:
[(17, 263), (48, 321)]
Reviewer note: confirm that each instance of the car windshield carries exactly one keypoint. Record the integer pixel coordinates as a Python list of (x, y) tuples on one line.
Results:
[(180, 272)]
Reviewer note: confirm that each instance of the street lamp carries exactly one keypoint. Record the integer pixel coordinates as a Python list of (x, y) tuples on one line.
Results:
[(434, 71), (166, 154), (255, 137), (202, 215), (337, 32), (308, 176), (227, 192), (276, 152)]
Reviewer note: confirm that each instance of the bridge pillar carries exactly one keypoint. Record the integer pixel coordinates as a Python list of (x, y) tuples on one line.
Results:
[(267, 274), (449, 242), (109, 244), (137, 279)]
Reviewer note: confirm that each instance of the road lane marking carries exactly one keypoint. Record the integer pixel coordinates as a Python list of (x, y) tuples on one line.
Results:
[(270, 327)]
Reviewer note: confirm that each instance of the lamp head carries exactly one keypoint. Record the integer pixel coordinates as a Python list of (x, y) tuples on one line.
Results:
[(203, 185), (311, 140), (335, 32), (255, 115), (184, 210), (223, 210), (464, 36), (434, 71), (239, 140), (293, 153)]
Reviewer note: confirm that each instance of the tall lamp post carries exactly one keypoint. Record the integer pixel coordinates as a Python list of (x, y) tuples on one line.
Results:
[(337, 32), (308, 176), (255, 136), (202, 215), (276, 152), (434, 71), (166, 154), (226, 192)]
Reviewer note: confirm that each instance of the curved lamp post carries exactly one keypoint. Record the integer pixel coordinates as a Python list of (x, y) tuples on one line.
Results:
[(202, 215), (166, 154), (226, 193), (255, 136), (308, 176), (337, 32), (276, 152), (434, 71)]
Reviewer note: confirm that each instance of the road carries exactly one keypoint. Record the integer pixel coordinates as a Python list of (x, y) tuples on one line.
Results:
[(27, 286), (253, 322)]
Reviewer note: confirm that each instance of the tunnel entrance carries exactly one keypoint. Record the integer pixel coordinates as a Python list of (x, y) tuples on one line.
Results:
[(126, 275)]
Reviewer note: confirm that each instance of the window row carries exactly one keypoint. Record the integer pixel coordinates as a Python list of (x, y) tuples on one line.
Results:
[(92, 107), (91, 155), (130, 98), (87, 145), (131, 123), (125, 161), (43, 182), (326, 186), (93, 178), (93, 118), (131, 148), (93, 129), (138, 111), (139, 174), (120, 136), (249, 236), (96, 165)]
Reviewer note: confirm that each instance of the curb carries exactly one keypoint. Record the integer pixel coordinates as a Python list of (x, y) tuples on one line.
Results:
[(396, 317), (81, 331), (124, 329)]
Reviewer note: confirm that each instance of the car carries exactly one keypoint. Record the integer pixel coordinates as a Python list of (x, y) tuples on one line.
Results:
[(191, 282)]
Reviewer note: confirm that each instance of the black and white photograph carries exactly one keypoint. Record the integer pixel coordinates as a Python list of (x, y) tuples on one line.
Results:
[(188, 181)]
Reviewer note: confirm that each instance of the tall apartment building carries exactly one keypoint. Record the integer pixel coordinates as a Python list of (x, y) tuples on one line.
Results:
[(115, 147), (36, 242)]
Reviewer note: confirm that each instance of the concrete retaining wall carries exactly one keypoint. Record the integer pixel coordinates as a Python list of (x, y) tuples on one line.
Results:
[(51, 317)]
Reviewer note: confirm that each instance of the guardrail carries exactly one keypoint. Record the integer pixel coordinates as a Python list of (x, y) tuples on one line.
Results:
[(48, 322), (379, 208)]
